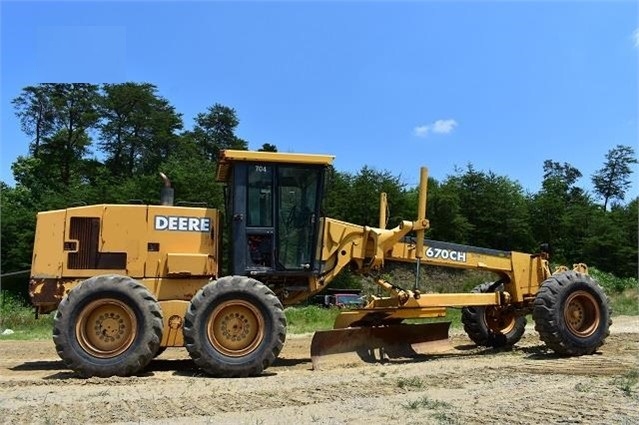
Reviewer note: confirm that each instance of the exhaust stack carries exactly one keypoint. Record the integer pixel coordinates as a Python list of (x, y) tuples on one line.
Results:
[(167, 193)]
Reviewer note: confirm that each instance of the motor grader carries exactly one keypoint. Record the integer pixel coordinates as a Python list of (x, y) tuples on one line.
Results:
[(127, 281)]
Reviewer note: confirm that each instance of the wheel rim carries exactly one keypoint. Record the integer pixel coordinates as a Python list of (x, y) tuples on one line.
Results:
[(106, 328), (582, 314), (498, 321), (236, 328)]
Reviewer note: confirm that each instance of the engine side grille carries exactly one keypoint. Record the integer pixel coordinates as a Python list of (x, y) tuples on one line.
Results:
[(87, 231)]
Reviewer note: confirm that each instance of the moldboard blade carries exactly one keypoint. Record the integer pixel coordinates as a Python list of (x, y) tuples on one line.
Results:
[(373, 344)]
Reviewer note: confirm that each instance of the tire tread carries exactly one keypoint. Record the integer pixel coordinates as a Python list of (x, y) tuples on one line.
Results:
[(193, 321), (546, 313), (130, 362), (477, 330)]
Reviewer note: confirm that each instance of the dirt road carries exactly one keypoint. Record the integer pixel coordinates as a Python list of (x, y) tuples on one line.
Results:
[(467, 385)]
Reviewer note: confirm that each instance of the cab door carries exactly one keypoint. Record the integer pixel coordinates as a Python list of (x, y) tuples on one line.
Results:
[(275, 210), (298, 208), (253, 219)]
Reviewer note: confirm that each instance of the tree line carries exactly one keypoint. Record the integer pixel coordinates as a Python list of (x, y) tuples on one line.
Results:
[(106, 144)]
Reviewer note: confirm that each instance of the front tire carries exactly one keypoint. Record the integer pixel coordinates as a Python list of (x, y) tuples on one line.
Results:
[(572, 314), (492, 326), (234, 327), (108, 325)]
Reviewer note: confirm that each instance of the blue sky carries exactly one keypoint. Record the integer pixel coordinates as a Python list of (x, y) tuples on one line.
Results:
[(501, 85)]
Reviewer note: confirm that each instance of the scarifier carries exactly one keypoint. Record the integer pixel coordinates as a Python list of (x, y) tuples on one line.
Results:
[(127, 281)]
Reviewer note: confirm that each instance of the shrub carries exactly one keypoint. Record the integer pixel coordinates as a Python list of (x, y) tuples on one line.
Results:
[(310, 318), (611, 283), (17, 315)]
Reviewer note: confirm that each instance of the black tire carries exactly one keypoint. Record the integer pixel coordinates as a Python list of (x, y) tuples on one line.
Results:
[(108, 325), (234, 327), (159, 352), (572, 314), (491, 326)]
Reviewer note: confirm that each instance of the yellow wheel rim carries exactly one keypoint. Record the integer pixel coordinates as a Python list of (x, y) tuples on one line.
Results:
[(106, 328), (498, 321), (582, 314), (236, 328)]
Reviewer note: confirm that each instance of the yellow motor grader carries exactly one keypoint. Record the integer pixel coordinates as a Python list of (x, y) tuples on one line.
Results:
[(127, 281)]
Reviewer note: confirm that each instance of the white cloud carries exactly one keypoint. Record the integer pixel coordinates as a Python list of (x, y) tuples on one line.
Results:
[(635, 37), (422, 130), (439, 127), (444, 126)]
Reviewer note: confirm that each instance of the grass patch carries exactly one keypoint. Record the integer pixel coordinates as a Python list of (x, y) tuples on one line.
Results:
[(446, 418), (622, 291), (627, 382), (17, 315), (426, 403), (625, 303), (413, 382), (310, 318)]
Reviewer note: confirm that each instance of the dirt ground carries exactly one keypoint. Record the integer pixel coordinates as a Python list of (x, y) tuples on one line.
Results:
[(466, 385)]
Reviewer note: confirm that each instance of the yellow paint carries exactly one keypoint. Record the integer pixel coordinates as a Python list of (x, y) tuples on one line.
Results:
[(228, 157), (47, 257), (173, 312)]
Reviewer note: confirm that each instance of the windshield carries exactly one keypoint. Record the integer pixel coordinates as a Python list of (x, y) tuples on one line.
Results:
[(348, 299)]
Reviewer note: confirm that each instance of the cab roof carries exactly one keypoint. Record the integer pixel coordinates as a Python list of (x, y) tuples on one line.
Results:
[(228, 157)]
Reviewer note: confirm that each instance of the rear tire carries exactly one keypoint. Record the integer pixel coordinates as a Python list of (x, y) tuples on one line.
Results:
[(108, 325), (490, 326), (572, 314), (234, 327)]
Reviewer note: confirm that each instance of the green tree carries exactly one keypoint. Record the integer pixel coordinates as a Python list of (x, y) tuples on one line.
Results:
[(137, 129), (447, 223), (67, 151), (193, 175), (495, 209), (363, 202), (355, 198), (33, 107), (267, 147), (338, 189), (611, 241), (560, 211), (613, 180), (59, 117), (18, 227), (214, 131), (27, 173), (564, 175), (74, 114), (628, 219)]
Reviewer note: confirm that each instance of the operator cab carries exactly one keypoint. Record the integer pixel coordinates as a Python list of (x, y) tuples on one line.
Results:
[(273, 204)]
